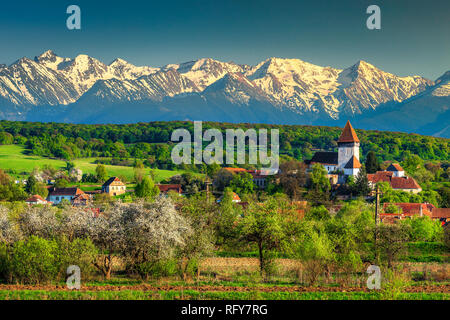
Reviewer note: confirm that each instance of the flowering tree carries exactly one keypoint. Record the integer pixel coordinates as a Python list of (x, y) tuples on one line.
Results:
[(152, 233)]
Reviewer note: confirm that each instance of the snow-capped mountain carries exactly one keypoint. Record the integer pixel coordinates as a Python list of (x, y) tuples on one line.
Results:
[(303, 91), (154, 87), (204, 72)]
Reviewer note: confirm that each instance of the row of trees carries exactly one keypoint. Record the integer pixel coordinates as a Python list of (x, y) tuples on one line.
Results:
[(152, 238), (151, 141)]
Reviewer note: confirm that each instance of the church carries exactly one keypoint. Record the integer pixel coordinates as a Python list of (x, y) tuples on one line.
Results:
[(343, 163)]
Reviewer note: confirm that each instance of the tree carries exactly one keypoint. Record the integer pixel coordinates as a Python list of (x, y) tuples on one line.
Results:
[(154, 232), (9, 190), (361, 187), (292, 178), (61, 183), (267, 225), (242, 183), (392, 208), (372, 164), (146, 188), (101, 173), (314, 249), (391, 241), (35, 187), (424, 229), (69, 166), (319, 192), (222, 179), (447, 235), (9, 232)]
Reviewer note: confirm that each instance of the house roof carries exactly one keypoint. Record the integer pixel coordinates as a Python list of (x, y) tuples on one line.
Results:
[(353, 163), (409, 209), (348, 134), (235, 170), (441, 213), (111, 180), (324, 157), (66, 191), (82, 196), (169, 187), (35, 198), (395, 182), (395, 167)]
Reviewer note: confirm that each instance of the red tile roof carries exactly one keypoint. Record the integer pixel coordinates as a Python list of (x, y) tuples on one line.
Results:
[(348, 134), (111, 180), (439, 213), (395, 182), (409, 209), (169, 187), (235, 170), (353, 163), (35, 198)]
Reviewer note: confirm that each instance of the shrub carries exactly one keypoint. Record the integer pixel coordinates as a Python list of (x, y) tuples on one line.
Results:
[(158, 269), (34, 260), (79, 252)]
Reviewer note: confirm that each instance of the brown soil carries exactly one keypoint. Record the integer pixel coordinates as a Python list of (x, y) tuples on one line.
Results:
[(207, 288)]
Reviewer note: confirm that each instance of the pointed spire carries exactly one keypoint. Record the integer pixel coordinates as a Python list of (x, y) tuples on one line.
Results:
[(348, 134)]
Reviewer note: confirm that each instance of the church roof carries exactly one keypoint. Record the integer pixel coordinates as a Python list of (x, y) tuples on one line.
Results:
[(348, 134), (353, 163), (323, 157)]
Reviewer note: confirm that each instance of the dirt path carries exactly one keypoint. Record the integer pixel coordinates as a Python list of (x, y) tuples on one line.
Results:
[(209, 288)]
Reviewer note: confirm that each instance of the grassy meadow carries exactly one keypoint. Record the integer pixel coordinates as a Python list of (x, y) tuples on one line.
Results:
[(13, 159)]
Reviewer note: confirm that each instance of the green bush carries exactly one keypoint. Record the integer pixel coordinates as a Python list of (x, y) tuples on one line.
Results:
[(157, 269), (37, 260), (79, 252), (34, 260)]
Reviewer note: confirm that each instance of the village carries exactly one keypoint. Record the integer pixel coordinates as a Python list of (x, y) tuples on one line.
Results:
[(341, 166)]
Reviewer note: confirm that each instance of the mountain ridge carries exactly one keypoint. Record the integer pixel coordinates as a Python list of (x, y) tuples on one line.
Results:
[(307, 93)]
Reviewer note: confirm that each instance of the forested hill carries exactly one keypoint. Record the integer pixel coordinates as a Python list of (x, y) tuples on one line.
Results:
[(141, 140)]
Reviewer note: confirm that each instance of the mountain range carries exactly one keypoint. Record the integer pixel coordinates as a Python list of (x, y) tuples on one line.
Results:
[(278, 91)]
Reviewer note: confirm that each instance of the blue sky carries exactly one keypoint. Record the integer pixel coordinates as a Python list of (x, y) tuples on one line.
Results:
[(414, 39)]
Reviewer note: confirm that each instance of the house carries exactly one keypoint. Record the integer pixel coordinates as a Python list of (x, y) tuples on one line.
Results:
[(259, 176), (345, 160), (36, 199), (396, 169), (56, 195), (403, 183), (114, 187), (81, 200), (441, 214), (409, 210), (235, 199), (165, 188)]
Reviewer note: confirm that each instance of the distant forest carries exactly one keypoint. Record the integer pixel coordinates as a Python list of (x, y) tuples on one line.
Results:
[(150, 142)]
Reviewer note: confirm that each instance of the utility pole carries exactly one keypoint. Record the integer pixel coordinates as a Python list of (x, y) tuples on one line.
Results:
[(377, 219), (208, 183)]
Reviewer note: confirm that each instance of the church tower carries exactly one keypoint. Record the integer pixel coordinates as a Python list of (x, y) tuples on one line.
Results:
[(348, 146)]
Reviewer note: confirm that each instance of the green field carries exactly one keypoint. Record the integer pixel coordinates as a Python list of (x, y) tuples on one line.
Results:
[(13, 157), (212, 295)]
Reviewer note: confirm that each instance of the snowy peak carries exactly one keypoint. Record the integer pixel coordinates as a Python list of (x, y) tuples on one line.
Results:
[(50, 60), (237, 89), (206, 71), (125, 70), (299, 86), (442, 88)]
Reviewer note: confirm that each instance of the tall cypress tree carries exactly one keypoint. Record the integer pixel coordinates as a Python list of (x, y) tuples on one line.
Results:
[(372, 164)]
